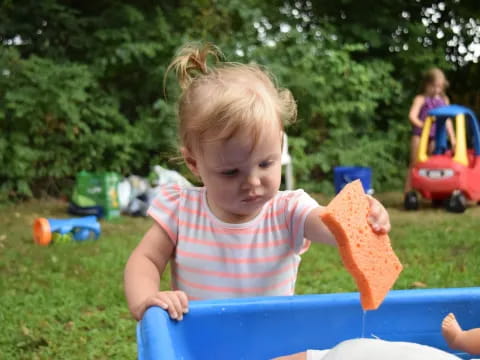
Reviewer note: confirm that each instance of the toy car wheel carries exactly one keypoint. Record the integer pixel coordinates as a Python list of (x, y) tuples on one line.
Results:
[(410, 201), (456, 203)]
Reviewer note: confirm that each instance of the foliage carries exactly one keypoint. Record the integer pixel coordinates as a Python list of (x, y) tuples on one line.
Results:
[(99, 112), (339, 120), (81, 84), (48, 110)]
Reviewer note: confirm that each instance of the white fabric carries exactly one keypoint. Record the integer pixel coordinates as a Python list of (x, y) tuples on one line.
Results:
[(316, 354), (375, 349)]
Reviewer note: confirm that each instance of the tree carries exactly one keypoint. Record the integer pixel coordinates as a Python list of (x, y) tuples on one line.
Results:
[(85, 79)]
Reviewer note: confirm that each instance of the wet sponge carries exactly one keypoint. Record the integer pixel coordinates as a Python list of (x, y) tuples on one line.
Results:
[(368, 256)]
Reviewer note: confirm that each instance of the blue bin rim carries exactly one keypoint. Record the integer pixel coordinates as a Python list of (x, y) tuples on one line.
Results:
[(351, 167)]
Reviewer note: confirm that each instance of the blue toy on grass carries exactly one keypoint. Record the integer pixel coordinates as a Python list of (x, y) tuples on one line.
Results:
[(79, 229)]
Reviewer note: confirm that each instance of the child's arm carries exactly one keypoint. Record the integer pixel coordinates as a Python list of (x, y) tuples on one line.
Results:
[(415, 111), (317, 231), (142, 276)]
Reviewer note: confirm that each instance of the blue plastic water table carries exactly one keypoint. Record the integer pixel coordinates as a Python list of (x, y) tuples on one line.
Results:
[(266, 327)]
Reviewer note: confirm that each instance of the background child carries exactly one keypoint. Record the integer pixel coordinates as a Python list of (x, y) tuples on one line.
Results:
[(238, 235), (432, 95)]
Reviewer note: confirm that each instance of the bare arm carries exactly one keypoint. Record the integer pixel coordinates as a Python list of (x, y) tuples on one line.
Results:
[(414, 112), (143, 270), (316, 230)]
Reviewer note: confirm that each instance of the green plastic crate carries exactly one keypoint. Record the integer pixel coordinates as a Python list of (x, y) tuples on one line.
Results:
[(98, 189)]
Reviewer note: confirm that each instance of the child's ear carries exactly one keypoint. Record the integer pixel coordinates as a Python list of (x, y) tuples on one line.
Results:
[(190, 160)]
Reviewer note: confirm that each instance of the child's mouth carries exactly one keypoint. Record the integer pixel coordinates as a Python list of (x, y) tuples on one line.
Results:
[(252, 199)]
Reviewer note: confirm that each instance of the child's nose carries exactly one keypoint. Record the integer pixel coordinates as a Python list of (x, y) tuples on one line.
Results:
[(252, 180)]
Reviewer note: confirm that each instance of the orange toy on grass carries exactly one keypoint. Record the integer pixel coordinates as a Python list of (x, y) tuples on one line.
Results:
[(368, 256), (42, 233)]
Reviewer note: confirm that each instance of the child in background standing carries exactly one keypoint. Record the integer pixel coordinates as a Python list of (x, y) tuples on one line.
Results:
[(432, 96), (238, 235)]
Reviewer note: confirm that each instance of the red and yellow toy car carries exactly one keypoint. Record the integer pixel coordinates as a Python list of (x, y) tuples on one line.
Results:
[(447, 176)]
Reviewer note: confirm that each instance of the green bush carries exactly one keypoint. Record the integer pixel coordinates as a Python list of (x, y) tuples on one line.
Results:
[(342, 113), (81, 85), (56, 121)]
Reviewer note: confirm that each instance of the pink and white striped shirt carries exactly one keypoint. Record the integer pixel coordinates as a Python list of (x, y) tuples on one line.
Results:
[(214, 259)]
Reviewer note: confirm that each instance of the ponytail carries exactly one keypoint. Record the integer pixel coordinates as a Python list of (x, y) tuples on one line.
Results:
[(191, 62)]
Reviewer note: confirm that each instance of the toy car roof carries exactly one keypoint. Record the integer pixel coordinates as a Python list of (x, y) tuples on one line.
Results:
[(451, 111)]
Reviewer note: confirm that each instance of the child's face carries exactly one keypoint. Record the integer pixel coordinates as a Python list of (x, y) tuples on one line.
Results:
[(240, 180), (435, 88)]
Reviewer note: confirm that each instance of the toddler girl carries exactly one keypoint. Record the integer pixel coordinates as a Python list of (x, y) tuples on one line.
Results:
[(238, 235)]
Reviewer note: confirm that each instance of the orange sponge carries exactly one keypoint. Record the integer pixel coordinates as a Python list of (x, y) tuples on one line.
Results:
[(368, 256)]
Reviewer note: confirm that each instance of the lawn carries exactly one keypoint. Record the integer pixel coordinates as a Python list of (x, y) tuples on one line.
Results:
[(66, 301)]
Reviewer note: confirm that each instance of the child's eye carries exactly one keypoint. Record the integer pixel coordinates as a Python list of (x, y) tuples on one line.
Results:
[(266, 164), (231, 172)]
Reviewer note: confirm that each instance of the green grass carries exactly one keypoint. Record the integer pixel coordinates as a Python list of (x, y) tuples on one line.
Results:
[(66, 301)]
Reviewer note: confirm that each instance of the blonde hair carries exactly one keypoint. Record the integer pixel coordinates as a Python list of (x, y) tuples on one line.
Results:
[(432, 75), (226, 98)]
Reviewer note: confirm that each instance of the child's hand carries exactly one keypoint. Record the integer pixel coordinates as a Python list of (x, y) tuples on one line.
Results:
[(175, 302), (378, 216)]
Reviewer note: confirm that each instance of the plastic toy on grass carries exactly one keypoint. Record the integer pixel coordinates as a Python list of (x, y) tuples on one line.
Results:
[(448, 175), (65, 230), (95, 210), (342, 175), (268, 327), (96, 193)]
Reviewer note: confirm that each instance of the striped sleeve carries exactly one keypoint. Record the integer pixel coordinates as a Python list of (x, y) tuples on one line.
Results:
[(299, 205), (164, 209)]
